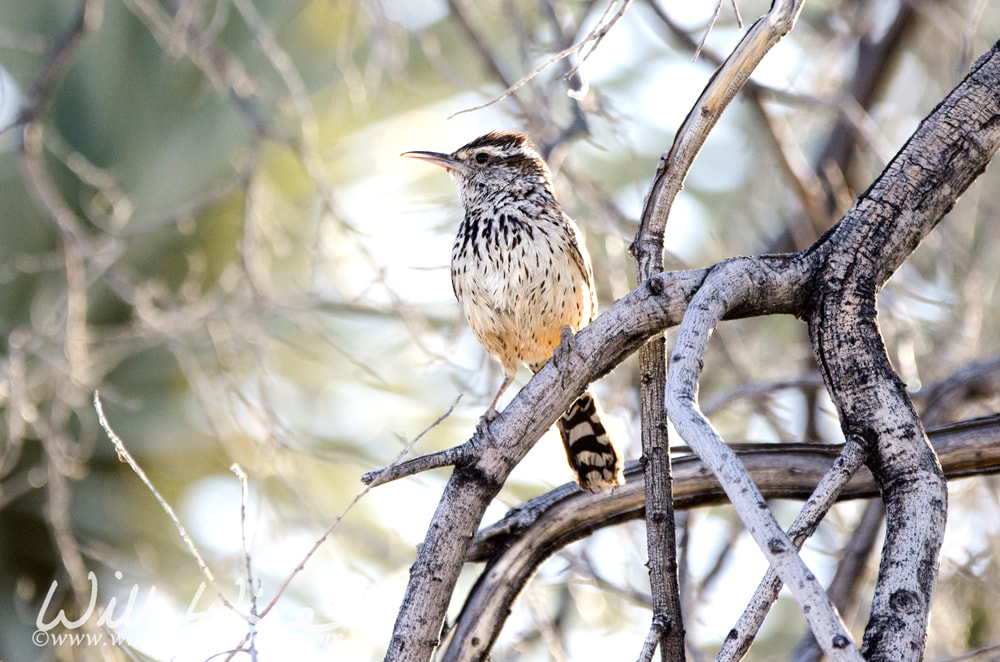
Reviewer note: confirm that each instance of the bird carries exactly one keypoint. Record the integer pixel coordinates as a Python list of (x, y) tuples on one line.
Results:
[(522, 273)]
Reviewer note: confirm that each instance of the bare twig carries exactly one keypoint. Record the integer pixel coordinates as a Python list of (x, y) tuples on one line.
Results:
[(447, 458), (944, 400), (597, 34), (652, 640), (985, 654), (45, 192), (326, 534), (736, 13), (396, 469), (251, 589), (594, 37), (478, 42), (125, 456), (708, 30), (760, 390)]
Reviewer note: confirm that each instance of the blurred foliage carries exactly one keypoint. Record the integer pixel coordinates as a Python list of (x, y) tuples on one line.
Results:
[(217, 233)]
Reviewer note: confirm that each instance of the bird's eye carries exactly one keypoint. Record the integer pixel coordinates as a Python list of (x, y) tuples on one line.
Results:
[(482, 157)]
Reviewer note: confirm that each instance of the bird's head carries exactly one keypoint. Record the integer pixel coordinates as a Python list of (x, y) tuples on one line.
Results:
[(500, 164)]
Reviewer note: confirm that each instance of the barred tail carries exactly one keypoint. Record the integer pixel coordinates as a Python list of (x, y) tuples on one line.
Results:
[(595, 463)]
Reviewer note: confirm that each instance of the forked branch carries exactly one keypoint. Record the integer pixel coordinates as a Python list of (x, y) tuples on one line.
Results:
[(667, 621), (514, 547)]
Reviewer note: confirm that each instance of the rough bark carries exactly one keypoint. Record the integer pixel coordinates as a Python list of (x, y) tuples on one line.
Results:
[(733, 285), (600, 346), (882, 229), (515, 546)]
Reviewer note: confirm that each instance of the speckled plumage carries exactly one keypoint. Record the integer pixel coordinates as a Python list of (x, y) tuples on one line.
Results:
[(521, 271)]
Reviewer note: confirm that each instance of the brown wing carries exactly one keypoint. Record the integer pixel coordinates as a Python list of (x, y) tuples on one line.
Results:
[(581, 259)]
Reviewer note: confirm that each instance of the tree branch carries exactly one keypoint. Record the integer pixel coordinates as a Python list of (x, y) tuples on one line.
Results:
[(598, 347), (828, 489), (844, 586), (516, 545), (648, 252), (949, 149), (781, 470), (729, 286), (449, 457)]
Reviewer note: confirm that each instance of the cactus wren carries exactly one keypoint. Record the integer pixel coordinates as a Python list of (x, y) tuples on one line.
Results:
[(522, 273)]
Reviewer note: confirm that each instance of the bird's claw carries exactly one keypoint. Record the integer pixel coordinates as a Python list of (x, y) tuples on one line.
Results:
[(483, 426), (563, 351)]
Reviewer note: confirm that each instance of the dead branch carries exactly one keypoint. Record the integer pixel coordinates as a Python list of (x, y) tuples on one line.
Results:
[(648, 252), (515, 546)]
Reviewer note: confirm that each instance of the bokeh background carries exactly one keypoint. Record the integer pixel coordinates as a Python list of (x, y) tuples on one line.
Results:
[(203, 214)]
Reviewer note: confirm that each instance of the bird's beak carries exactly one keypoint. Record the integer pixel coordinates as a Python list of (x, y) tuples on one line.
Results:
[(446, 161)]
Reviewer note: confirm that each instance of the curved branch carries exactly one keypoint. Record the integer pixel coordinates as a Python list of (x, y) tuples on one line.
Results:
[(515, 546), (654, 305), (673, 167), (949, 149), (598, 347), (648, 252), (731, 285)]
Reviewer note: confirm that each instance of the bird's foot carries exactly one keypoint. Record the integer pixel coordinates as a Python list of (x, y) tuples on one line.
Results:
[(483, 426), (563, 351)]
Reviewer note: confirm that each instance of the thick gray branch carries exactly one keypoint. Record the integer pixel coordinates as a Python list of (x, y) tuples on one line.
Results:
[(730, 286), (647, 310), (949, 149)]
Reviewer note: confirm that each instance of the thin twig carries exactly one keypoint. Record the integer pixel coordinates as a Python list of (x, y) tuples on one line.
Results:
[(656, 630), (736, 13), (396, 469), (125, 456), (708, 30), (594, 36), (252, 621), (760, 390), (986, 654), (358, 497), (446, 458)]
